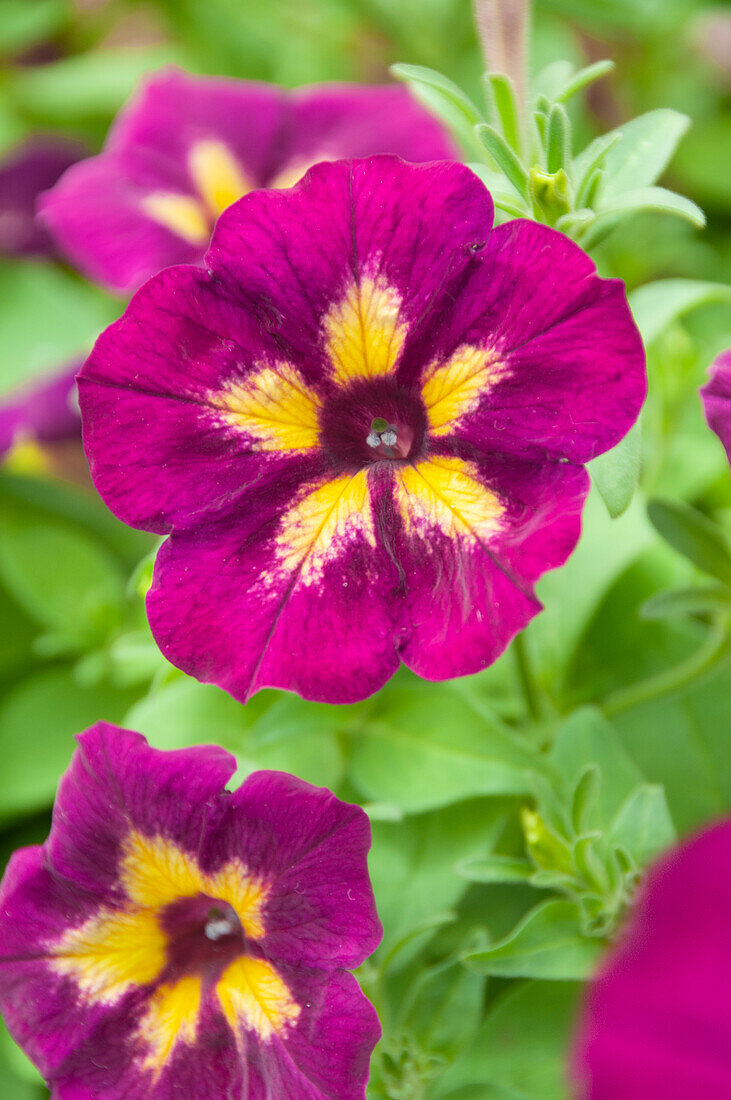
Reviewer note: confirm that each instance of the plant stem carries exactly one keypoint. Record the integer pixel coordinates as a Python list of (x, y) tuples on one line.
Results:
[(502, 27), (531, 692), (707, 656)]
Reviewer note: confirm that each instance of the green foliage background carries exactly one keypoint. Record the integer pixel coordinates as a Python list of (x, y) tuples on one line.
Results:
[(493, 915)]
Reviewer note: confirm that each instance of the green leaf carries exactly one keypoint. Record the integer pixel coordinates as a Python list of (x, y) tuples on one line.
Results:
[(427, 748), (558, 139), (693, 535), (65, 579), (643, 825), (521, 1047), (501, 95), (26, 23), (709, 599), (38, 721), (273, 730), (653, 200), (412, 862), (588, 738), (588, 163), (571, 595), (504, 157), (616, 473), (547, 944), (495, 869), (87, 85), (644, 150), (585, 798), (583, 79), (445, 99), (655, 306), (73, 313)]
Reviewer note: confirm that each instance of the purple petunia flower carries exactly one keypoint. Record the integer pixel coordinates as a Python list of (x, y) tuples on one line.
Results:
[(44, 411), (656, 1025), (172, 939), (24, 173), (364, 425), (716, 397), (187, 147)]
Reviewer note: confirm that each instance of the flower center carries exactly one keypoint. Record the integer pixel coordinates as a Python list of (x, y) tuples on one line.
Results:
[(372, 420), (204, 935)]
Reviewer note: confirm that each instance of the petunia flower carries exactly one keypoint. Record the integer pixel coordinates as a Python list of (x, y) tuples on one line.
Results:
[(364, 426), (25, 172), (716, 397), (656, 1024), (186, 147), (172, 939), (43, 411)]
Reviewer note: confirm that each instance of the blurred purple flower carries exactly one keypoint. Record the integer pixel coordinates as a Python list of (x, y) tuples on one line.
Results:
[(657, 1021), (173, 939), (716, 397), (45, 410), (186, 147), (365, 426), (27, 171)]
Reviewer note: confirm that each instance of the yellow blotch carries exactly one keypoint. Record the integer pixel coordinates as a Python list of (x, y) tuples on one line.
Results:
[(363, 336), (274, 407), (112, 952), (252, 993), (293, 173), (310, 531), (171, 1017), (182, 214), (454, 388), (442, 492), (217, 175), (155, 872)]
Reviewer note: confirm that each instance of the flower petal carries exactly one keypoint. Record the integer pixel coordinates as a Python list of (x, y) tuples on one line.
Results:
[(332, 121), (185, 402), (312, 850), (269, 597), (101, 212), (375, 239), (537, 356), (119, 785), (716, 397), (656, 1021), (475, 536)]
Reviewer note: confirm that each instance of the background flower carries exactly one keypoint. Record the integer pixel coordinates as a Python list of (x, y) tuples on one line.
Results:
[(186, 147), (25, 173), (170, 932), (716, 396), (45, 411), (656, 1023), (365, 427)]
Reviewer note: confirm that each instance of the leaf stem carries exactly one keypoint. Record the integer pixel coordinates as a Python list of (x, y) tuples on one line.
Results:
[(714, 648), (531, 691)]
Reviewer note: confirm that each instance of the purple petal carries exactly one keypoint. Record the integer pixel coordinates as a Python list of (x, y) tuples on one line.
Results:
[(45, 410), (295, 254), (313, 850), (332, 122), (716, 397), (232, 604), (567, 356), (160, 450), (24, 173), (469, 589), (99, 212), (117, 783), (656, 1021)]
